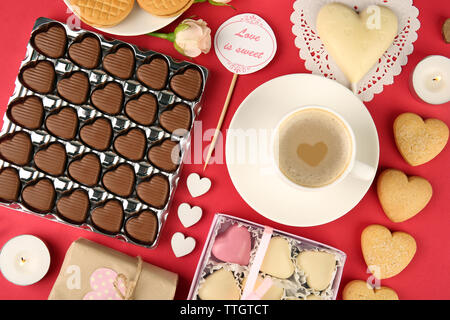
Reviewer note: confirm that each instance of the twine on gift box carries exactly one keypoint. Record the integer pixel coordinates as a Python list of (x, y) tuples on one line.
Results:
[(130, 286)]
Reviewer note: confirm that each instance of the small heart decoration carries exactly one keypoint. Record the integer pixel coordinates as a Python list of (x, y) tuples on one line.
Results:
[(312, 155), (318, 266), (189, 216), (418, 140), (120, 63), (233, 245), (74, 87), (102, 285), (197, 186), (63, 123), (86, 52), (108, 98), (27, 112), (386, 254), (360, 290), (182, 245)]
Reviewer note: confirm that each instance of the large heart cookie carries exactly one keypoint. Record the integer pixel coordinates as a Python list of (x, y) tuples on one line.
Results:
[(386, 254), (417, 140), (356, 41), (402, 197), (318, 267), (360, 290), (277, 261)]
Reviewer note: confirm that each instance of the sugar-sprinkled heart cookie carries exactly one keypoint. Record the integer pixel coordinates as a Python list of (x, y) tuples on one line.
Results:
[(360, 290)]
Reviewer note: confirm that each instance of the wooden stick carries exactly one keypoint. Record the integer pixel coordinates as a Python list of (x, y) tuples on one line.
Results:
[(222, 117), (354, 87)]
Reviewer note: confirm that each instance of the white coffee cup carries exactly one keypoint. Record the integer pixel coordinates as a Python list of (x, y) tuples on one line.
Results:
[(354, 167)]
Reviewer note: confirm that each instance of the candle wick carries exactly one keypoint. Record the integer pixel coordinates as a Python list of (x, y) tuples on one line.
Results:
[(22, 260), (437, 78)]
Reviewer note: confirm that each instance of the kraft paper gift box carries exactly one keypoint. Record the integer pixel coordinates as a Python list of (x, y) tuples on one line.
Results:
[(93, 271)]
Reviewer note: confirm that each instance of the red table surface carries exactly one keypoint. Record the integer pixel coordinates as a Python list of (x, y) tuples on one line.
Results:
[(426, 277)]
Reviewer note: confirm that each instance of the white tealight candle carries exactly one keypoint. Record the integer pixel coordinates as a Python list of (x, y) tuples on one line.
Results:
[(24, 260), (431, 79)]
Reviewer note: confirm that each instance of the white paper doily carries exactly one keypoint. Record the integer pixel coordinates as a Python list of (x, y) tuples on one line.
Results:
[(390, 64)]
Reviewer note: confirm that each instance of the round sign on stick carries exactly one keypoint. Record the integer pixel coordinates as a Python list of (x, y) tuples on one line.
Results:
[(244, 44)]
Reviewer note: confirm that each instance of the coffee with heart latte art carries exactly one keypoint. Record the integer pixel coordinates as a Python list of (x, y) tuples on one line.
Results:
[(314, 147)]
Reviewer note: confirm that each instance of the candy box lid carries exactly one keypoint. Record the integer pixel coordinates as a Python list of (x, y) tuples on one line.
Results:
[(299, 285)]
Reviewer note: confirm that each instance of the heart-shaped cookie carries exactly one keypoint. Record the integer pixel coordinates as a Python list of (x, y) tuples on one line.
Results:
[(73, 206), (142, 109), (120, 180), (85, 169), (50, 40), (356, 41), (108, 98), (197, 186), (16, 148), (51, 159), (97, 134), (417, 140), (318, 266), (189, 216), (9, 185), (176, 118), (165, 155), (108, 217), (74, 87), (38, 76), (131, 144), (63, 123), (187, 83), (86, 51), (220, 285), (233, 245), (143, 227), (402, 197), (312, 155), (154, 191), (182, 245), (27, 112), (277, 261), (154, 73), (39, 196), (120, 63), (360, 290), (386, 254)]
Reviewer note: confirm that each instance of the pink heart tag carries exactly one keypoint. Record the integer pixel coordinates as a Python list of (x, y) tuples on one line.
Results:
[(233, 245), (102, 284)]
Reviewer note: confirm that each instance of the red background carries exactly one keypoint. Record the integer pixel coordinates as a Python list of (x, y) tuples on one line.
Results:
[(426, 277)]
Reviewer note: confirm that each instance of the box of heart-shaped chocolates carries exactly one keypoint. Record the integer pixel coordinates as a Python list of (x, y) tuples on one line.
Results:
[(96, 131), (246, 260)]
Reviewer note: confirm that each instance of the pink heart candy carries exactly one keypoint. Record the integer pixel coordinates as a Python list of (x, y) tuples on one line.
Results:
[(233, 245)]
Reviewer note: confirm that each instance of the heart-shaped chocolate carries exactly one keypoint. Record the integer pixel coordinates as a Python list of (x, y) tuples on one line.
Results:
[(233, 245), (131, 144), (318, 267), (74, 87), (142, 109), (120, 63), (27, 112), (50, 40), (177, 117), (108, 98), (9, 185), (109, 217), (16, 148), (97, 134), (187, 83), (220, 285), (38, 76), (418, 140), (142, 227), (277, 260), (120, 180), (165, 155), (154, 191), (360, 290), (73, 206), (63, 123), (402, 197), (312, 155), (39, 196), (85, 169), (386, 254), (51, 159), (86, 51), (154, 73)]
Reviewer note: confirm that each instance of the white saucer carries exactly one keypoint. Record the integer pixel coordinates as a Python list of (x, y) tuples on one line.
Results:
[(254, 177), (136, 23)]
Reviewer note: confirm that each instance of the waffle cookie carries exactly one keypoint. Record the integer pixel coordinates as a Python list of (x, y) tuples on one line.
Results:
[(102, 13), (165, 8)]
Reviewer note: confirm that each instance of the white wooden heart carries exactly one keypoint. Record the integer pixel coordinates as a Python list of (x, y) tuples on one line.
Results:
[(182, 245), (189, 216), (197, 186)]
